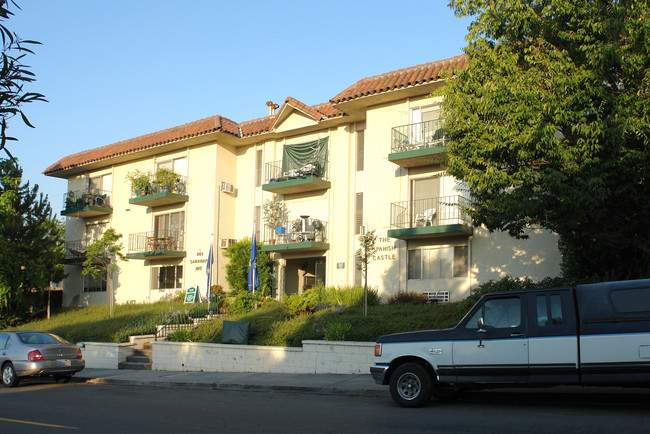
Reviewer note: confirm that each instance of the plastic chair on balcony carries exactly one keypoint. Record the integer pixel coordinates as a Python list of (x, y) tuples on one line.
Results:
[(429, 215)]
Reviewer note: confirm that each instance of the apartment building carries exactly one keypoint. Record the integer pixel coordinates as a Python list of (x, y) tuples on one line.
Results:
[(371, 158)]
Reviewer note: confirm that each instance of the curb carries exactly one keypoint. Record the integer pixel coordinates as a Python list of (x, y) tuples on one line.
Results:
[(311, 390)]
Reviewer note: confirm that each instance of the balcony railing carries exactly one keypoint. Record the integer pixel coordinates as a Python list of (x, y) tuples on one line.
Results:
[(421, 135), (75, 250), (275, 172), (436, 211), (166, 240), (295, 231), (178, 185), (91, 197)]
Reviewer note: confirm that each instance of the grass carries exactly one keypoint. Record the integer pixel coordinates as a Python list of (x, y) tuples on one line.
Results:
[(93, 323), (272, 324)]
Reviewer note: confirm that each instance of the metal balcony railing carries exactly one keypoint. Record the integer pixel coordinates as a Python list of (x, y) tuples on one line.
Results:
[(79, 199), (420, 135), (75, 249), (436, 211), (297, 230), (154, 241), (274, 172)]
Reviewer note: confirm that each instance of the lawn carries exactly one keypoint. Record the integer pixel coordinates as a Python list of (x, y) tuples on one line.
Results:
[(272, 324)]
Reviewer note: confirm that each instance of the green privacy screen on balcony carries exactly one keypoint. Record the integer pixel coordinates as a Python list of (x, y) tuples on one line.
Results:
[(311, 154)]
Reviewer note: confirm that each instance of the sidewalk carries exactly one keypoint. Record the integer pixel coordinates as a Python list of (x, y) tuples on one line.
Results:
[(322, 384)]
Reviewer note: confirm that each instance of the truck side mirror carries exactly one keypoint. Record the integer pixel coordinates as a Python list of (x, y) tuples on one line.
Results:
[(481, 325)]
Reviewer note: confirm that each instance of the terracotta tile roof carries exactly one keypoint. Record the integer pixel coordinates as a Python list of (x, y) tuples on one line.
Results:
[(412, 76), (257, 126), (186, 131)]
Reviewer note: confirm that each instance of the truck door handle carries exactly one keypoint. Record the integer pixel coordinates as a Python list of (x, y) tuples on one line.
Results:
[(517, 335)]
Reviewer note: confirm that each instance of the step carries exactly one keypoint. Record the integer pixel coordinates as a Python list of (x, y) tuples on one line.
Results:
[(134, 365), (138, 359)]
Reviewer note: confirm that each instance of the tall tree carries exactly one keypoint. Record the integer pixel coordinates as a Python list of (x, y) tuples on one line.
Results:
[(14, 74), (549, 125), (31, 241), (102, 256)]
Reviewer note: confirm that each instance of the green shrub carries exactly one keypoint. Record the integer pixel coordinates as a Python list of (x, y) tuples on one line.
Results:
[(320, 296), (183, 335), (405, 297)]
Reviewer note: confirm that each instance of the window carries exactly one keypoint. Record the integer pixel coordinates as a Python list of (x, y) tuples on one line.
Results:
[(177, 165), (438, 262), (360, 151), (168, 277), (549, 307), (94, 284), (427, 124), (498, 313), (258, 219), (358, 213), (633, 300), (258, 168), (101, 183), (166, 223)]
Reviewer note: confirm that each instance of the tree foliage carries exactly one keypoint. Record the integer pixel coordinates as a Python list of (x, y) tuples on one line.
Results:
[(549, 125), (237, 268), (31, 241), (102, 256), (14, 75)]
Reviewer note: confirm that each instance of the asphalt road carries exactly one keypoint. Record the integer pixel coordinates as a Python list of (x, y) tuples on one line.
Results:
[(42, 406)]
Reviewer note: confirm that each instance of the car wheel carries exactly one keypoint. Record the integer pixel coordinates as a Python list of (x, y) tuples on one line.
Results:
[(62, 378), (9, 378), (410, 385)]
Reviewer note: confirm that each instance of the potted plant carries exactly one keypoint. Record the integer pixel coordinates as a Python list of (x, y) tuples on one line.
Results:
[(296, 228), (275, 213), (318, 229), (166, 179), (140, 184)]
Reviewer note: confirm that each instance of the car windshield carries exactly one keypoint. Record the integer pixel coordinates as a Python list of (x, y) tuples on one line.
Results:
[(40, 338)]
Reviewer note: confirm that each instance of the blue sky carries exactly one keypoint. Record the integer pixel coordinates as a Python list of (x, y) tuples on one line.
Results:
[(113, 70)]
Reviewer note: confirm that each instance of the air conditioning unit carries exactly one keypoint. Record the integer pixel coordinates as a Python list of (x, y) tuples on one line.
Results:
[(227, 187), (225, 242)]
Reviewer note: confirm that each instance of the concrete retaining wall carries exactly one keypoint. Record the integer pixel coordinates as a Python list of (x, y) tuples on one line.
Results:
[(104, 355), (315, 357)]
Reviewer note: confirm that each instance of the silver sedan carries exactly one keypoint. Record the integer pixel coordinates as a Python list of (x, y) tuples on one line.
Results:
[(30, 353)]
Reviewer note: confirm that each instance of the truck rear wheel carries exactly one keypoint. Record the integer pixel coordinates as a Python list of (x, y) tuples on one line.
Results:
[(410, 385)]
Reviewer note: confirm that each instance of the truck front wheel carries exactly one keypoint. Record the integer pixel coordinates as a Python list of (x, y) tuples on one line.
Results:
[(410, 385)]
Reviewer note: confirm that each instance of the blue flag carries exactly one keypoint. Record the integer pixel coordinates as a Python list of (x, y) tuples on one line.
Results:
[(253, 277), (208, 271)]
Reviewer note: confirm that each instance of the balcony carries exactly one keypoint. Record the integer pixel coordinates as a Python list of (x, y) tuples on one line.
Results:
[(87, 203), (430, 218), (303, 234), (156, 245), (157, 192), (418, 144), (75, 252), (283, 177)]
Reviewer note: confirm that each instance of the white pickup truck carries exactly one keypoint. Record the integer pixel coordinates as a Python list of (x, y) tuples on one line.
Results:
[(595, 334)]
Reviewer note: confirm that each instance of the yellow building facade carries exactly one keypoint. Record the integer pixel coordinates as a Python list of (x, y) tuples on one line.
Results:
[(371, 158)]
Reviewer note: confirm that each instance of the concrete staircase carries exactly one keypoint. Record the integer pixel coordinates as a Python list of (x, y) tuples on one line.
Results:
[(141, 358)]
